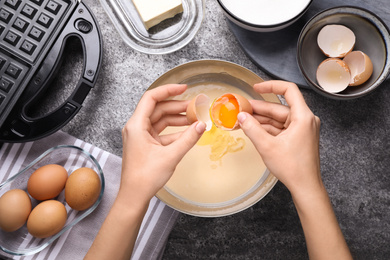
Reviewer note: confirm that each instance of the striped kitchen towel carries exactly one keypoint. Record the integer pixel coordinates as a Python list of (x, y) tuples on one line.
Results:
[(73, 244)]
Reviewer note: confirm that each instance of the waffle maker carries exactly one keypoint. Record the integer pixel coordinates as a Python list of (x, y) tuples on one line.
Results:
[(33, 34)]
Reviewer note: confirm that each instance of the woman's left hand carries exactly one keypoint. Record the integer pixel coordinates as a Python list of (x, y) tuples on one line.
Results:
[(149, 159)]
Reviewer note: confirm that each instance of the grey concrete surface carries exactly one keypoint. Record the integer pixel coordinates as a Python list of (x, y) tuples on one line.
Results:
[(354, 152)]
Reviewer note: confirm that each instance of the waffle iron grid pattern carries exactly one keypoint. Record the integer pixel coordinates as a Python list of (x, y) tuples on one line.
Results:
[(25, 28)]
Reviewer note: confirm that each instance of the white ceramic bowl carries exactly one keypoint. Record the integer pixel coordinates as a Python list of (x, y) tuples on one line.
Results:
[(264, 15)]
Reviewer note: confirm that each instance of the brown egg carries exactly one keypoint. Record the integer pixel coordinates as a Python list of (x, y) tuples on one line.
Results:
[(336, 40), (47, 182), (333, 75), (82, 188), (222, 112), (47, 219), (360, 66), (15, 207)]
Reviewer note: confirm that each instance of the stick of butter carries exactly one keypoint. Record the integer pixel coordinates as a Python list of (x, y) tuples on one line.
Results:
[(153, 12)]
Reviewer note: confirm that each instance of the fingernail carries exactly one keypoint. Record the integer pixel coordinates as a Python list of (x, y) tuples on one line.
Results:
[(241, 117), (200, 127)]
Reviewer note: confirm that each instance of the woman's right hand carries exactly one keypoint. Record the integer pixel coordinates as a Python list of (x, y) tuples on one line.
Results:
[(287, 137)]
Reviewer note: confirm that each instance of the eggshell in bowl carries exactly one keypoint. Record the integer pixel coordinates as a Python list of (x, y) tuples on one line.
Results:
[(360, 66), (372, 37), (333, 75), (336, 40)]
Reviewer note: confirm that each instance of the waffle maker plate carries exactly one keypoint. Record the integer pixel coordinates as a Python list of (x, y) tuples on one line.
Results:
[(33, 34)]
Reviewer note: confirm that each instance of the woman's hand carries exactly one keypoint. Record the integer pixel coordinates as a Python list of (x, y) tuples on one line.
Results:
[(287, 137), (148, 162), (149, 159)]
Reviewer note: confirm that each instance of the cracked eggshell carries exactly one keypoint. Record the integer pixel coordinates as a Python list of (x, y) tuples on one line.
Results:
[(333, 75), (224, 102), (360, 66), (336, 41), (198, 109)]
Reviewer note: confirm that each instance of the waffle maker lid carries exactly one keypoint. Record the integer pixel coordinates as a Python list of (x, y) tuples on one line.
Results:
[(33, 34)]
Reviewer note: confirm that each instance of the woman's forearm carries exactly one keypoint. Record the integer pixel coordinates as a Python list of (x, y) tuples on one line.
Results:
[(118, 234), (323, 235)]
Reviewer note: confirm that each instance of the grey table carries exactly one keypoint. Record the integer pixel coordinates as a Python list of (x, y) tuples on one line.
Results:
[(354, 150)]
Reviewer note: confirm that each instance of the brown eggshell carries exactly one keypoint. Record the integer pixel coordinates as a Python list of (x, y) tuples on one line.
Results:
[(199, 110), (336, 40), (193, 111), (47, 182), (360, 66), (82, 188), (243, 106), (333, 75), (15, 207), (47, 219)]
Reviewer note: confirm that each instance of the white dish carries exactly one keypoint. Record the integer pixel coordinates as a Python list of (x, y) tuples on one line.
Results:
[(166, 37), (264, 15)]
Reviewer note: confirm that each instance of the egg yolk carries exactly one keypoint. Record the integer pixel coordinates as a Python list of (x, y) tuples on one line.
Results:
[(228, 110)]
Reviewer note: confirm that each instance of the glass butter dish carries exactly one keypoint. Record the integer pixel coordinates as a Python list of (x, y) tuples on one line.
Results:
[(20, 242), (168, 36)]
